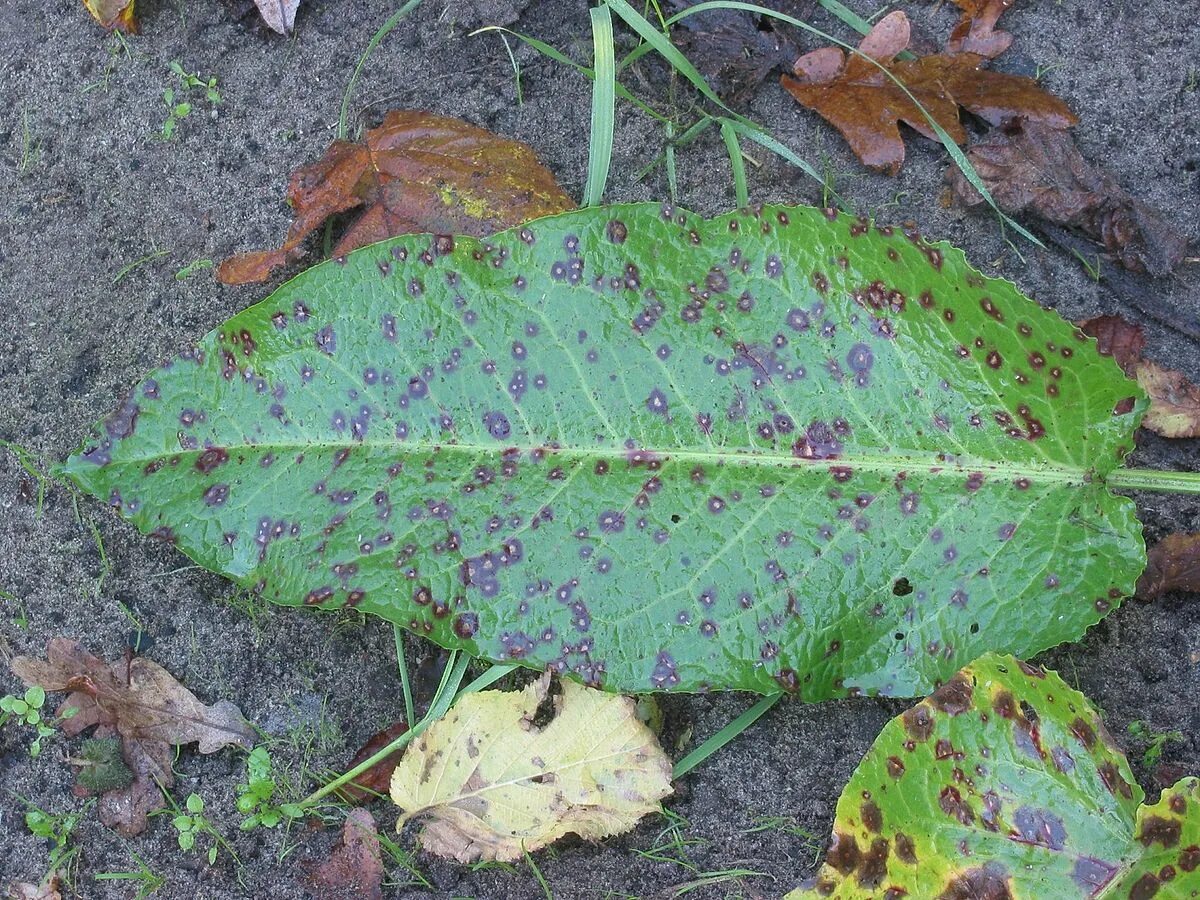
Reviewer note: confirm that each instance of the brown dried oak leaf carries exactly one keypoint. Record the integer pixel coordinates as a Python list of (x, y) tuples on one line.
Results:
[(418, 172), (867, 106), (976, 31), (1173, 564), (1174, 401), (149, 710), (734, 49), (114, 14), (354, 871), (1035, 167)]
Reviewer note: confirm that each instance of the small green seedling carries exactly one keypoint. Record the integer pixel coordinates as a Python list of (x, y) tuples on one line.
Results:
[(254, 797), (1154, 739), (196, 265), (176, 101), (28, 709), (58, 831), (193, 825)]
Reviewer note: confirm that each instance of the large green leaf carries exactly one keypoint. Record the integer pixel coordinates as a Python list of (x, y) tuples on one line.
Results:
[(782, 449), (1006, 784)]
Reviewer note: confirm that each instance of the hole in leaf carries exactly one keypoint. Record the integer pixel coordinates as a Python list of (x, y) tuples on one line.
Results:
[(974, 628), (902, 588), (675, 518), (899, 635), (1029, 713)]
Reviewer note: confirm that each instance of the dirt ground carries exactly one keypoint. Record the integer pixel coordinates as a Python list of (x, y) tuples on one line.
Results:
[(88, 189)]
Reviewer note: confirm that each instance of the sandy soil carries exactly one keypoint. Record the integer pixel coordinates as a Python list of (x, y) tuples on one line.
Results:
[(89, 189)]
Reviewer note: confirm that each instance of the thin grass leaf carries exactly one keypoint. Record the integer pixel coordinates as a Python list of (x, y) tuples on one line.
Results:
[(725, 735), (384, 30), (405, 681), (559, 57), (604, 98), (672, 175), (740, 191)]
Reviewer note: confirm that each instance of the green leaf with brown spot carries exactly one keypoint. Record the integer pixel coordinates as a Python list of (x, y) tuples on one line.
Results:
[(1004, 784), (783, 449)]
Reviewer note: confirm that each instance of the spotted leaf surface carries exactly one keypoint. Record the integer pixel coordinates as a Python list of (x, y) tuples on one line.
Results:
[(783, 449), (1005, 784)]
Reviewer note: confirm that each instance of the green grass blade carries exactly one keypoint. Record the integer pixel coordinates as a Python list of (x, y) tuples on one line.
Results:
[(604, 98), (725, 735), (405, 682), (384, 30), (730, 136), (559, 57)]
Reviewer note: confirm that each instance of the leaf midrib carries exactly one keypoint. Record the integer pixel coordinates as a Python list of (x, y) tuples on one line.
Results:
[(928, 463)]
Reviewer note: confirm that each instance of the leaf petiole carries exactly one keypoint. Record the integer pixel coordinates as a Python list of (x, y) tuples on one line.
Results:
[(1154, 480)]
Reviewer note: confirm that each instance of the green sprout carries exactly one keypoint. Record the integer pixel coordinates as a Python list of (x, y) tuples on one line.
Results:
[(254, 797), (178, 105), (193, 825), (1154, 740), (28, 709)]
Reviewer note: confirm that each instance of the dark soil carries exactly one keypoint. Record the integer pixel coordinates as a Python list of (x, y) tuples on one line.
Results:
[(88, 188)]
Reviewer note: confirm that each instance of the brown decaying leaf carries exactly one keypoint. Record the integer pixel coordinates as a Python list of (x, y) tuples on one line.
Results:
[(976, 31), (1035, 167), (23, 890), (279, 15), (375, 781), (418, 172), (114, 14), (142, 703), (354, 871), (859, 99), (735, 50), (1173, 564), (1174, 401)]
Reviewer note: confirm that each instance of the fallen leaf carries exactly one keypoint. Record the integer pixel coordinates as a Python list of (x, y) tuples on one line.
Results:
[(23, 890), (355, 868), (279, 15), (734, 49), (142, 703), (867, 106), (1173, 564), (114, 14), (1118, 338), (418, 172), (376, 779), (976, 31), (1174, 401), (492, 784), (1034, 167)]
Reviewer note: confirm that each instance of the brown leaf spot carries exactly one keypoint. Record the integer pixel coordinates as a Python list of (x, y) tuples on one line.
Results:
[(954, 696)]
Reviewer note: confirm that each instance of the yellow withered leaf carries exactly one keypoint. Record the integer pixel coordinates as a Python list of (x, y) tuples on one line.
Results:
[(489, 783)]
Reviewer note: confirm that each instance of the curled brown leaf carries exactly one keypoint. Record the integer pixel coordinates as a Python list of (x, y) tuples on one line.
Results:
[(118, 15), (1173, 564), (418, 172), (1035, 168)]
